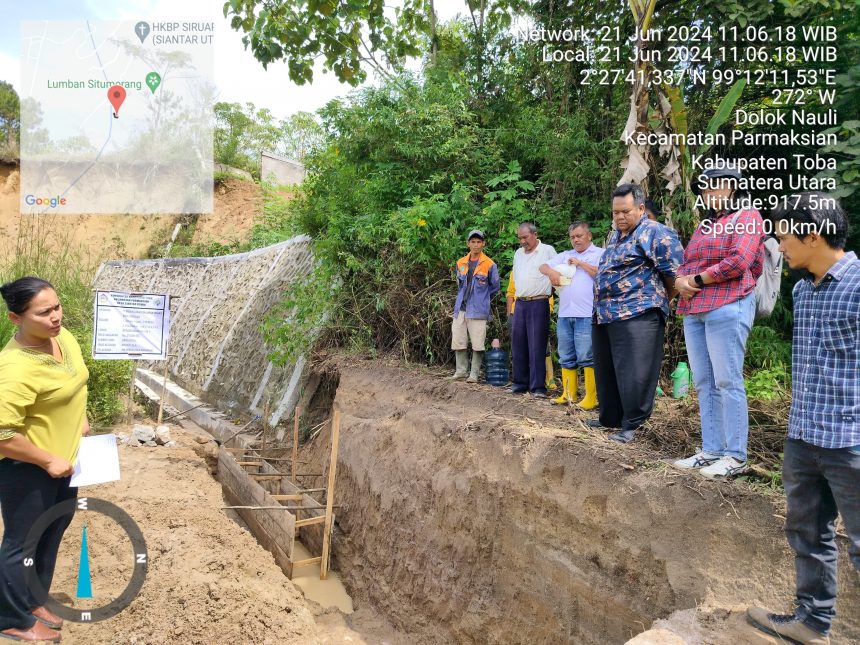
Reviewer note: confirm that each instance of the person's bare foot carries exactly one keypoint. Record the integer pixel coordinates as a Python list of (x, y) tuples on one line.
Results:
[(37, 633)]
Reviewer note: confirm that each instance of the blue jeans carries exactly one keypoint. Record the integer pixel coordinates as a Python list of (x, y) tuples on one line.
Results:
[(574, 342), (716, 345), (818, 481)]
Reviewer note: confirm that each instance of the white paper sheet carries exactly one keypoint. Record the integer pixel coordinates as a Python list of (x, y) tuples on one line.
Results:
[(98, 461)]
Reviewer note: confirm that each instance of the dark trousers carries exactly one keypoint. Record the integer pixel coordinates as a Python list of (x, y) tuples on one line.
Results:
[(818, 481), (528, 345), (26, 492), (628, 355)]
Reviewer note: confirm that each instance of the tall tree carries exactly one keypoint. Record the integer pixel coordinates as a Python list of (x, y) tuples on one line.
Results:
[(301, 134), (10, 115), (347, 34), (231, 123)]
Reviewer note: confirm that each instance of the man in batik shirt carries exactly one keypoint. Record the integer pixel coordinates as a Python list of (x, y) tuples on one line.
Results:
[(632, 290)]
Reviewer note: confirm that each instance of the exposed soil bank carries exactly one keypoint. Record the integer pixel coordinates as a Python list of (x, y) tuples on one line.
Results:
[(235, 205), (472, 516)]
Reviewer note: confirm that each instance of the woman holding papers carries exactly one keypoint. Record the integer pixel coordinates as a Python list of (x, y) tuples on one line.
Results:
[(43, 401)]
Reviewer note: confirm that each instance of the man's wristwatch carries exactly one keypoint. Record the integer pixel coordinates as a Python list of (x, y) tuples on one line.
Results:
[(698, 280)]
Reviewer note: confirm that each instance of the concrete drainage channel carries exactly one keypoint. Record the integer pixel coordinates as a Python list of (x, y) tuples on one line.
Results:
[(255, 498), (464, 520)]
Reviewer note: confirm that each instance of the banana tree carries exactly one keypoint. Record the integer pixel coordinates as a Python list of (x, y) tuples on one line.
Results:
[(637, 162), (667, 114)]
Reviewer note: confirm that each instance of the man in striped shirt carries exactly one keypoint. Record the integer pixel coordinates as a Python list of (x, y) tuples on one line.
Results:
[(821, 467)]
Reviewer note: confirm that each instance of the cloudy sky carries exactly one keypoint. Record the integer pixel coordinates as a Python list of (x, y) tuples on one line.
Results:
[(238, 75)]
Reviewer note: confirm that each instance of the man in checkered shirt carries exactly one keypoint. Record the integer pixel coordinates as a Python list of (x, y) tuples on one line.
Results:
[(821, 467)]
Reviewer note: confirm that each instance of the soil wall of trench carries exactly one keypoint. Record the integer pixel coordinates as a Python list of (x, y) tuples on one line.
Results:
[(471, 516)]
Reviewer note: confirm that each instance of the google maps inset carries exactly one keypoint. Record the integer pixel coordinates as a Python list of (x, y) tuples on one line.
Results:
[(79, 153)]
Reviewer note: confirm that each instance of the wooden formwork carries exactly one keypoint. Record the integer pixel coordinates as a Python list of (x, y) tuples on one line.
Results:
[(274, 506)]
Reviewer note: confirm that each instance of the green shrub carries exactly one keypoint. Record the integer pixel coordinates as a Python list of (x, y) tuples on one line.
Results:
[(108, 382), (306, 305), (43, 251), (766, 348), (768, 383), (276, 222), (221, 176), (409, 168)]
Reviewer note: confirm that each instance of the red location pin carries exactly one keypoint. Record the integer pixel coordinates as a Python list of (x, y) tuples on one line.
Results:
[(116, 95)]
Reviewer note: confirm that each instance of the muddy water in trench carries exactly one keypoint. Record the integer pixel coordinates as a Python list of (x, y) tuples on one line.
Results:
[(326, 593)]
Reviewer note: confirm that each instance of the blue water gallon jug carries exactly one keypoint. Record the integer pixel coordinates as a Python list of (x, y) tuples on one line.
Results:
[(496, 365)]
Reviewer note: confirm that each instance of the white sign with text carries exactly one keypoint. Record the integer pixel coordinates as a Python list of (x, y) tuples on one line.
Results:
[(131, 325)]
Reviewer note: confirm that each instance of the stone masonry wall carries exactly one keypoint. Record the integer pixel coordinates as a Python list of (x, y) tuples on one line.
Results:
[(216, 346)]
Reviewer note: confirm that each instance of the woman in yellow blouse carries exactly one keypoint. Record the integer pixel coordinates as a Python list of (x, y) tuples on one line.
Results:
[(43, 401)]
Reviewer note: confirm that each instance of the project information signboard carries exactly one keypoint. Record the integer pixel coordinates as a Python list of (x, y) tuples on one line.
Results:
[(131, 325)]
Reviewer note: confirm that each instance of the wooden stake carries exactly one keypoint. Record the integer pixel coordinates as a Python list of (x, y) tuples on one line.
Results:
[(319, 519), (179, 414), (297, 414), (163, 388), (303, 563), (131, 390), (329, 501), (280, 475), (254, 453)]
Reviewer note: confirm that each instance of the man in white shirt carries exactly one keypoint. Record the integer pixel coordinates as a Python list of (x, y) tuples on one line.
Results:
[(576, 305), (531, 315)]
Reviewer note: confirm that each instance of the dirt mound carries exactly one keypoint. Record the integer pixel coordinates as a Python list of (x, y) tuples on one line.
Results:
[(236, 205)]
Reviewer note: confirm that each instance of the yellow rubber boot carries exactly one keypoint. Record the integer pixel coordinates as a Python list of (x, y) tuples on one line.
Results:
[(550, 375), (569, 382), (590, 400)]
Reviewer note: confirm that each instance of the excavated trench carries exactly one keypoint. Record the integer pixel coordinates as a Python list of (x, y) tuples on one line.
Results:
[(471, 516)]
